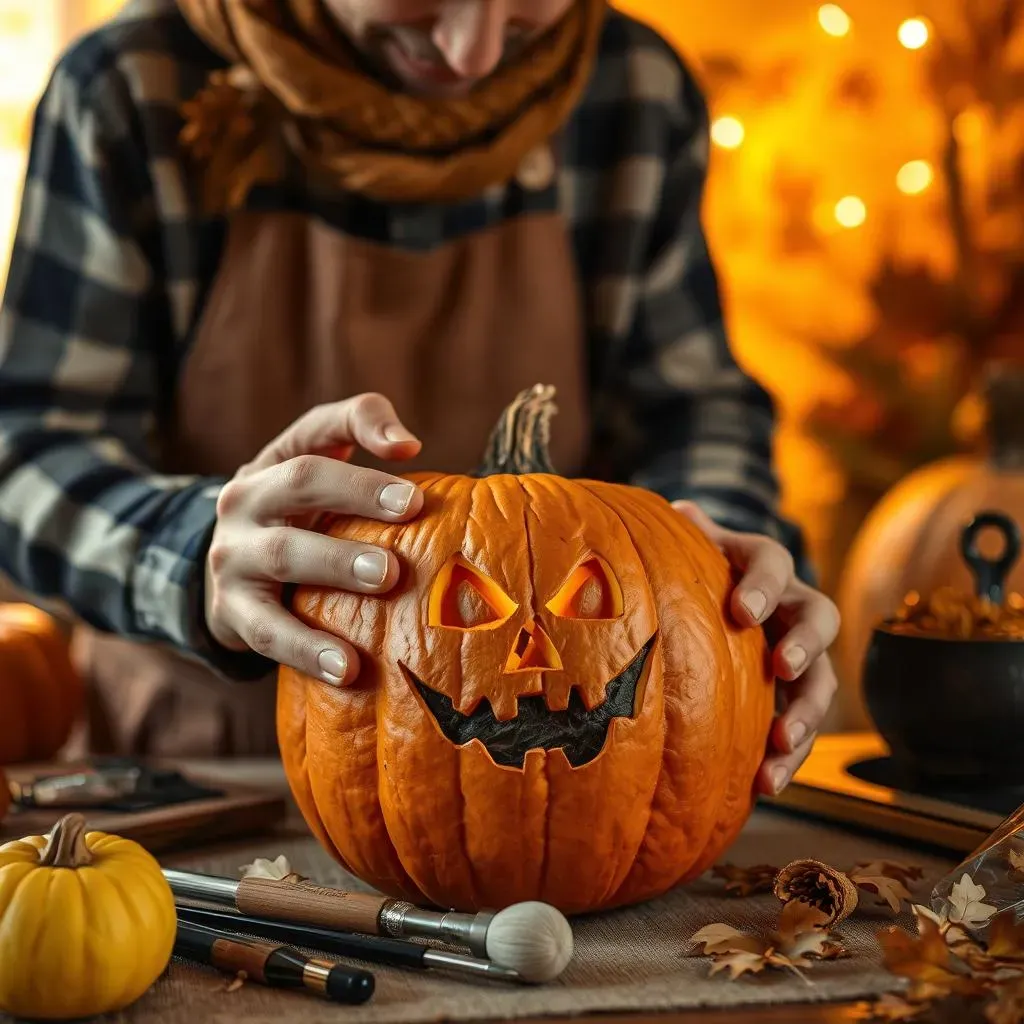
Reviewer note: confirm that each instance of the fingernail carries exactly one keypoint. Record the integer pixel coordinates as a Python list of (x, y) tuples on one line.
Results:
[(755, 602), (397, 498), (779, 778), (797, 731), (796, 658), (332, 667), (397, 434), (371, 567)]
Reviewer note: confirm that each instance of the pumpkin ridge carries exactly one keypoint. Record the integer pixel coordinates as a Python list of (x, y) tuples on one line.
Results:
[(589, 487), (642, 511)]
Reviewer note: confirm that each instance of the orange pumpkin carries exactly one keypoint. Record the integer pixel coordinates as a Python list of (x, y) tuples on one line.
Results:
[(41, 694), (553, 703), (911, 539)]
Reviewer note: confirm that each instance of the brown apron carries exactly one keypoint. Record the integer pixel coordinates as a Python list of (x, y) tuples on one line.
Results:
[(301, 314)]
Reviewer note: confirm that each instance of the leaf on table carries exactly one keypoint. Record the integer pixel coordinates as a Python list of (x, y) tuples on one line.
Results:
[(277, 869), (966, 904), (746, 881), (1006, 938), (723, 938), (926, 960), (236, 982), (892, 1007), (1008, 1005), (802, 930), (892, 890), (742, 962), (905, 873)]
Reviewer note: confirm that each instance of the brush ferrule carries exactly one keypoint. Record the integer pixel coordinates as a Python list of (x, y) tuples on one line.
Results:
[(398, 919)]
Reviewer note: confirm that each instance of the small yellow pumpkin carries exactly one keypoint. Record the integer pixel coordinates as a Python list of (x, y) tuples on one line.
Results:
[(87, 923)]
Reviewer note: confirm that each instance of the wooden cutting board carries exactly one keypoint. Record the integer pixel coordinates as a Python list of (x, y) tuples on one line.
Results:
[(241, 811)]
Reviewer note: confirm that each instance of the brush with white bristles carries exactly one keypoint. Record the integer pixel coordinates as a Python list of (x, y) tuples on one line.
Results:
[(533, 939)]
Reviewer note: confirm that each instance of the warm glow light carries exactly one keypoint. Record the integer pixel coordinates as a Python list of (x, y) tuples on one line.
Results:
[(914, 177), (968, 127), (851, 212), (913, 33), (727, 132), (834, 20)]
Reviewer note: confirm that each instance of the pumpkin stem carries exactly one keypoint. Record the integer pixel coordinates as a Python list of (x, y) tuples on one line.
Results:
[(65, 847), (519, 443), (1004, 400)]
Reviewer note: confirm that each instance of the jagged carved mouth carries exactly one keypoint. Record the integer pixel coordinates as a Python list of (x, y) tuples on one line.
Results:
[(579, 733)]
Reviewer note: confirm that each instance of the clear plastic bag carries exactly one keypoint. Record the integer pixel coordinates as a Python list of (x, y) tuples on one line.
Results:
[(994, 875)]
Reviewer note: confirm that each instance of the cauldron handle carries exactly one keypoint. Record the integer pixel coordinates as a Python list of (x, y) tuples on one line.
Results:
[(990, 574)]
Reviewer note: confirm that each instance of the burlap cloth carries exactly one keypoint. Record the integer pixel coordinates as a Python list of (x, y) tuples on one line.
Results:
[(626, 961)]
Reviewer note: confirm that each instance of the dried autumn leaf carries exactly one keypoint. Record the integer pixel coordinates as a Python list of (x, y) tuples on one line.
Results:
[(892, 890), (746, 881), (277, 869), (741, 962), (1006, 938), (891, 1007), (237, 982), (801, 931), (925, 959), (1008, 1005), (1016, 859), (966, 904), (905, 873), (723, 938)]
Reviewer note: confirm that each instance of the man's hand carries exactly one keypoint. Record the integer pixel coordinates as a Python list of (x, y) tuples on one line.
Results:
[(803, 624), (258, 543)]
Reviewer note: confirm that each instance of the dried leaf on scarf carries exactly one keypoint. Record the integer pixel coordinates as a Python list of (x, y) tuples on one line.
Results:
[(966, 904), (820, 885), (746, 881), (802, 931), (800, 937), (905, 873), (892, 890), (741, 962), (723, 938), (891, 1007)]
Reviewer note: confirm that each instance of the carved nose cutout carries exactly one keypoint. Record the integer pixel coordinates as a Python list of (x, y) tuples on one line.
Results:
[(532, 651)]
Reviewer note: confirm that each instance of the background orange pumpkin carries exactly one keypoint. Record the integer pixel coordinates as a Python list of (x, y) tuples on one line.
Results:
[(911, 539), (520, 587), (41, 695)]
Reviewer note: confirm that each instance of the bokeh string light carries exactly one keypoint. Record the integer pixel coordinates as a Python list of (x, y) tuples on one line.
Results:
[(912, 179)]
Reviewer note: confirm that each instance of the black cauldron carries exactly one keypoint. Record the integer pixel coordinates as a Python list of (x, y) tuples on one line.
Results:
[(950, 709)]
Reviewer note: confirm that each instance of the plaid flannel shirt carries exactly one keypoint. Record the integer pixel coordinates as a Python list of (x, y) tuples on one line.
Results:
[(112, 262)]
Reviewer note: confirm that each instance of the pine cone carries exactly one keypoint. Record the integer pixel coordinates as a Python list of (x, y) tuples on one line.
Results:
[(824, 887)]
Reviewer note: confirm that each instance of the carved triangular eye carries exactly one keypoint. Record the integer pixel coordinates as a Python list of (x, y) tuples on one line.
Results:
[(590, 592), (462, 597)]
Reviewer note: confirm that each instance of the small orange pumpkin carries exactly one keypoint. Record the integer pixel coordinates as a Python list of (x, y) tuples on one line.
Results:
[(41, 694), (554, 703)]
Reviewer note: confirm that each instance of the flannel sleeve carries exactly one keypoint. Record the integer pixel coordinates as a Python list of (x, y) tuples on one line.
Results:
[(85, 339), (707, 426)]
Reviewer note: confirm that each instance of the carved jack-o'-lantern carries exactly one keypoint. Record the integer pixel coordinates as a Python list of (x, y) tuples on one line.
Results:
[(554, 702)]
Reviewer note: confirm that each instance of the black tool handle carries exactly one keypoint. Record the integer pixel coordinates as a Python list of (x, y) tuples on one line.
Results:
[(990, 573), (371, 948)]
